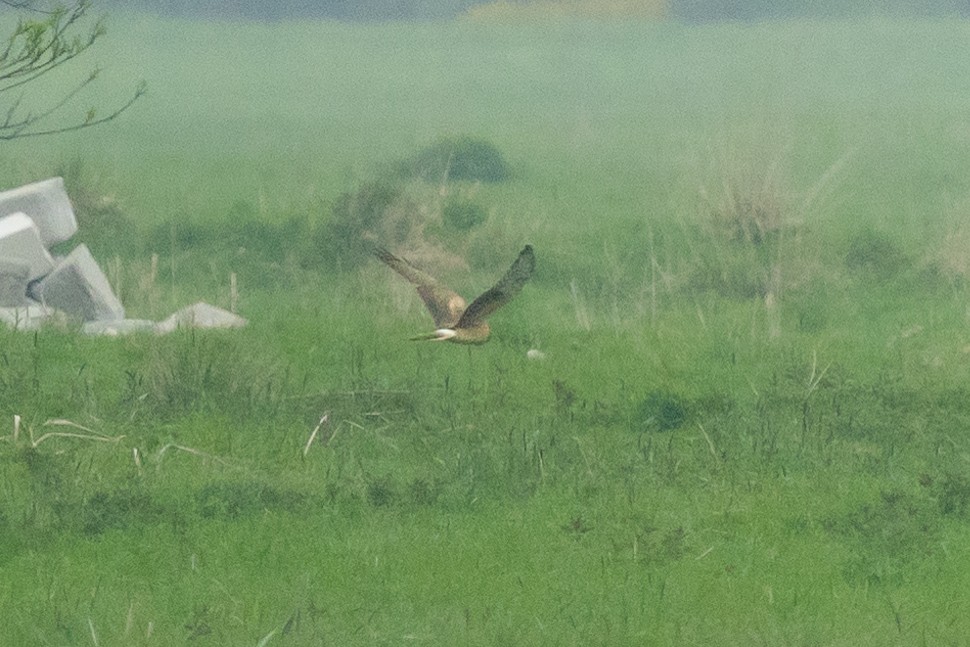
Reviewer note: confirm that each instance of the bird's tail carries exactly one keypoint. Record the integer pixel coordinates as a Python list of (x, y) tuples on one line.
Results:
[(438, 335)]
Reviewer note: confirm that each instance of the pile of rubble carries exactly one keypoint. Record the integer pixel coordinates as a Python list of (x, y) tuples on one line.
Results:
[(37, 287)]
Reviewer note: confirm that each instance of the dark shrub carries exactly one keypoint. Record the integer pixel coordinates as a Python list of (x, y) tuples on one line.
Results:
[(460, 158), (660, 411), (874, 253)]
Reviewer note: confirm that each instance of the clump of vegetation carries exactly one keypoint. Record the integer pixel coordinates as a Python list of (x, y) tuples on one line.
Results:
[(117, 510), (387, 210), (462, 159), (887, 534), (875, 254), (377, 211), (382, 492), (392, 210), (745, 219), (953, 495), (463, 215), (753, 216), (732, 277), (102, 221), (660, 411), (231, 500), (203, 373)]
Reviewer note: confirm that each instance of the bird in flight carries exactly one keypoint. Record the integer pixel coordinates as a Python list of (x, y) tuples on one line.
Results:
[(453, 320)]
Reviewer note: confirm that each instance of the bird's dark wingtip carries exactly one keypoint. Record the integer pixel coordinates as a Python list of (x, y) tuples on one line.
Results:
[(382, 253)]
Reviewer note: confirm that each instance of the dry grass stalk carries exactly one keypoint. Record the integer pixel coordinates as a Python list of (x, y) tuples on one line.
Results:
[(129, 619), (582, 315), (58, 422), (147, 285), (772, 302), (324, 419), (94, 634), (653, 282), (116, 270), (815, 376), (188, 450), (233, 292), (265, 639), (826, 183), (710, 443)]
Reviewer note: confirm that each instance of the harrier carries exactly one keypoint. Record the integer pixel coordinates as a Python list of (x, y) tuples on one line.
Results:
[(454, 321)]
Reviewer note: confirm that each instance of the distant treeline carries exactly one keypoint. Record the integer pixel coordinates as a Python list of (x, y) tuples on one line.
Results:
[(686, 10), (348, 10), (752, 10)]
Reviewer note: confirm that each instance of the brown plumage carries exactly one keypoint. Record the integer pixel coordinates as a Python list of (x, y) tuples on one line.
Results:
[(454, 321)]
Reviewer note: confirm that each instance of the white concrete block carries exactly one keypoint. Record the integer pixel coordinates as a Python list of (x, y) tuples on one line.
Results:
[(21, 242), (200, 315), (79, 287), (47, 204)]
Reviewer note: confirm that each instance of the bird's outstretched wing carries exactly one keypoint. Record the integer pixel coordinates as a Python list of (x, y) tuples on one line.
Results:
[(445, 306), (502, 292)]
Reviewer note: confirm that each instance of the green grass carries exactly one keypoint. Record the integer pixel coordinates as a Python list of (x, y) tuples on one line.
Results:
[(750, 425)]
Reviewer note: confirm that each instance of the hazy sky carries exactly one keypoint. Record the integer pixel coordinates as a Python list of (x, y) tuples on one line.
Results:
[(690, 10)]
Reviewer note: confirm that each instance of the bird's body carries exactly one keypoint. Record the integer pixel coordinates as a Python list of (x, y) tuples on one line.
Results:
[(455, 321)]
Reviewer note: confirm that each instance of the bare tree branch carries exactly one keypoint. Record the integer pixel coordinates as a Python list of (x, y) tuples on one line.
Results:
[(35, 47)]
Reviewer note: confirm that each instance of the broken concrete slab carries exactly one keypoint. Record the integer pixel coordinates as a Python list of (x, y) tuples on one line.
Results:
[(21, 242), (118, 328), (14, 278), (79, 287), (47, 203), (31, 317), (200, 315)]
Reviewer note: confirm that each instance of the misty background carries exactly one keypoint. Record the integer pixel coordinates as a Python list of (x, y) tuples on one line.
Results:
[(685, 10)]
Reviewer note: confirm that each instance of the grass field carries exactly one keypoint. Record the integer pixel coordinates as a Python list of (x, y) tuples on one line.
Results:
[(751, 423)]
